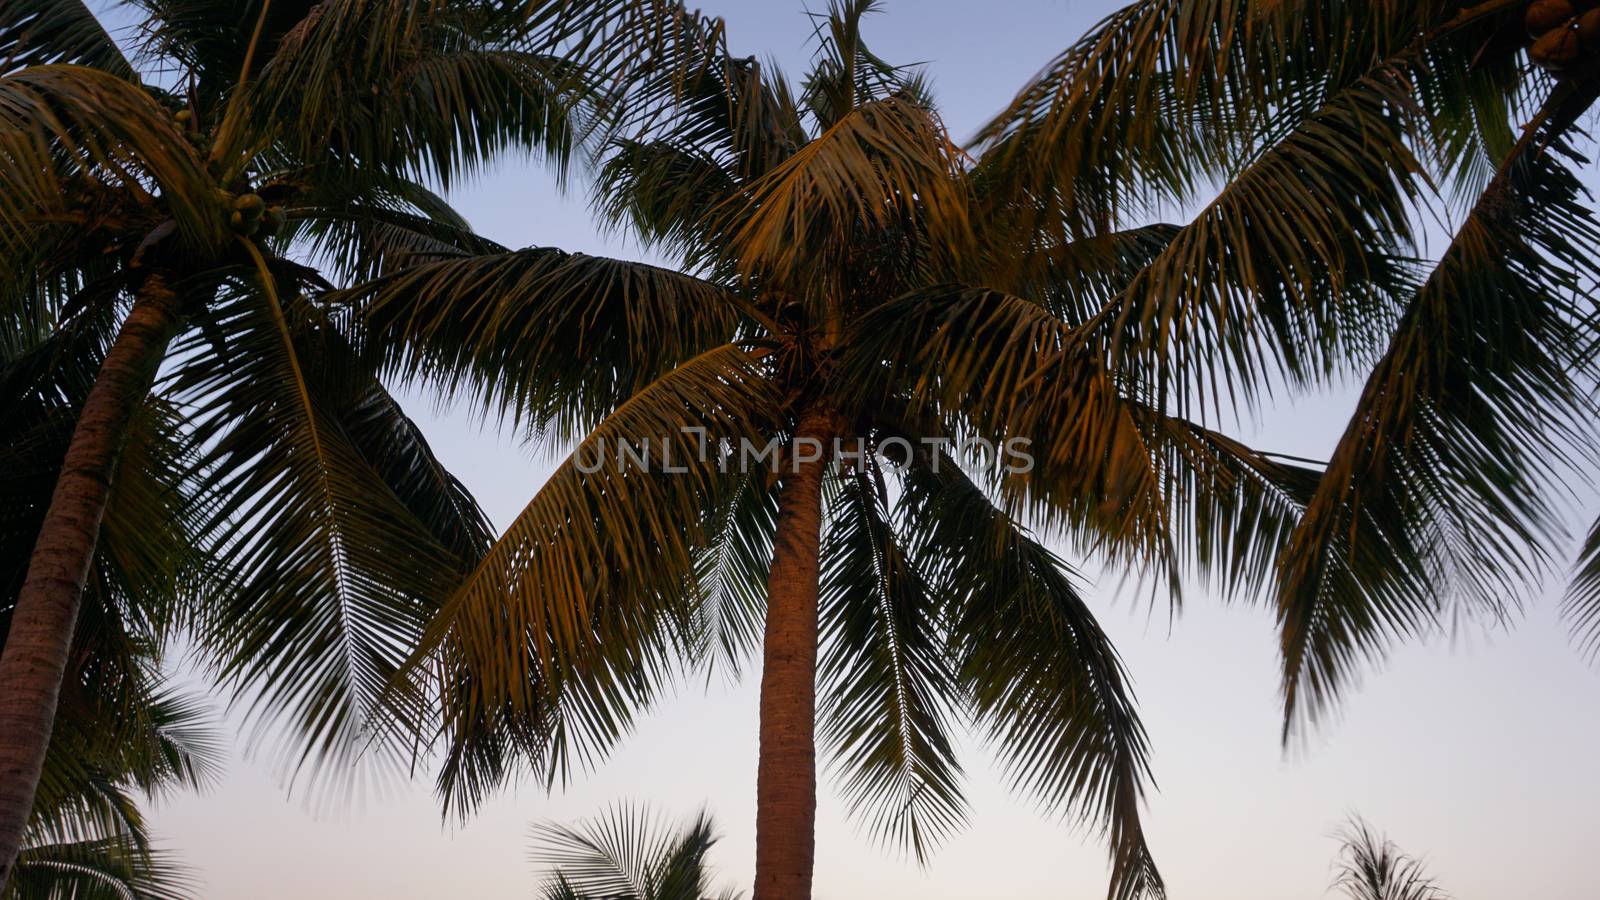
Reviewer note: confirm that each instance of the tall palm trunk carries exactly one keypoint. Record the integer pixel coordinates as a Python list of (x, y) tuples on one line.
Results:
[(35, 655), (786, 781)]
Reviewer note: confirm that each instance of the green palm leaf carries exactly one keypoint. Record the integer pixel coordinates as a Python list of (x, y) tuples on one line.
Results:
[(552, 340), (584, 604), (1040, 676), (624, 854), (40, 32), (60, 123), (730, 574), (886, 690), (103, 869), (334, 529), (1432, 492)]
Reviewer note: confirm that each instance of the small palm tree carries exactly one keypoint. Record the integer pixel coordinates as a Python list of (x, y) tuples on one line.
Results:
[(159, 215), (1371, 867), (626, 854), (87, 836)]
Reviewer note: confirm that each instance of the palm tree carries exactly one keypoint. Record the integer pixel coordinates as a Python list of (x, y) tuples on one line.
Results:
[(161, 216), (1438, 501), (1372, 868), (119, 726), (625, 854), (87, 836), (853, 280)]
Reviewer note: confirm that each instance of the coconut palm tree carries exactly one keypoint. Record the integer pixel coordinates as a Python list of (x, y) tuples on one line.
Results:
[(860, 292), (162, 215), (1371, 867), (119, 727), (626, 854)]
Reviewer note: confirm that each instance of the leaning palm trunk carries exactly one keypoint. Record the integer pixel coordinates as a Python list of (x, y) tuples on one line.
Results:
[(786, 780), (35, 654)]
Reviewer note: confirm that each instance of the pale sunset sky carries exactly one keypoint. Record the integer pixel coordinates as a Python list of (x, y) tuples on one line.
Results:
[(1476, 751)]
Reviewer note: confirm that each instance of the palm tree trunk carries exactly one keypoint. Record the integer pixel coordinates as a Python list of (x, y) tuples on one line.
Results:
[(35, 654), (786, 781)]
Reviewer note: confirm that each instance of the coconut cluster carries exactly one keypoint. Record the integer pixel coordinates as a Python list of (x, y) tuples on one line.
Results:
[(250, 216), (1563, 32)]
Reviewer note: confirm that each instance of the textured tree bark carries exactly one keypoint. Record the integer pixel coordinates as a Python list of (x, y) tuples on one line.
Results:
[(786, 781), (35, 654)]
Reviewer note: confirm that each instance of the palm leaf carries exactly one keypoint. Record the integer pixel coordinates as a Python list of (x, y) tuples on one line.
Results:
[(625, 854), (550, 339), (731, 573), (1432, 489), (1289, 270), (40, 32), (1040, 676), (103, 869), (1373, 868), (60, 123), (378, 230), (334, 530), (1017, 373), (888, 163), (580, 610), (886, 691), (1582, 607)]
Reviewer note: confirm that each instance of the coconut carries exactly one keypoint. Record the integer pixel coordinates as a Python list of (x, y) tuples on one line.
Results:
[(1557, 50), (250, 204), (1545, 15), (183, 116), (242, 224), (272, 220)]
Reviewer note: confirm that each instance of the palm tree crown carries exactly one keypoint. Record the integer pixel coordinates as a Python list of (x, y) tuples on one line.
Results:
[(626, 854), (157, 218), (857, 277), (1371, 867)]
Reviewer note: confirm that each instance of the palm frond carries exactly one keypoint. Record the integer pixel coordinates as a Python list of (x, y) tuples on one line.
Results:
[(585, 605), (1582, 605), (1372, 868), (334, 531), (1433, 490), (887, 163), (1143, 102), (1233, 507), (1040, 676), (62, 124), (731, 573), (732, 121), (1015, 373), (551, 340), (1290, 270), (845, 73), (1076, 279), (40, 32), (102, 869), (379, 229), (422, 92), (886, 691), (625, 854)]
